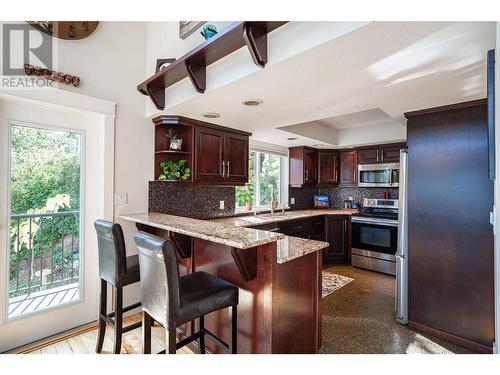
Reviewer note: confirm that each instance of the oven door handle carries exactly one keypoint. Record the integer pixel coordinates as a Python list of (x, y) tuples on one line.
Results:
[(381, 222)]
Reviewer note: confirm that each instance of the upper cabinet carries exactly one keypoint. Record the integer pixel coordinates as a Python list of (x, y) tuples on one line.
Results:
[(348, 168), (380, 154), (303, 166), (328, 168), (215, 154)]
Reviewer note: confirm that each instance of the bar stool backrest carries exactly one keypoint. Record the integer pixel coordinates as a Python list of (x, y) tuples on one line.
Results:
[(160, 293), (111, 248)]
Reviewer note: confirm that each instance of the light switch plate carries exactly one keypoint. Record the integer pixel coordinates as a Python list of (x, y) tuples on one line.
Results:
[(292, 200), (221, 205), (120, 198)]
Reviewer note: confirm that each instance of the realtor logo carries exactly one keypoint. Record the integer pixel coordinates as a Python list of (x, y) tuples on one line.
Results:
[(22, 44)]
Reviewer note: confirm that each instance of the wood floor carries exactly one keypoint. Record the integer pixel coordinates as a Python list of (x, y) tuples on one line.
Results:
[(83, 341)]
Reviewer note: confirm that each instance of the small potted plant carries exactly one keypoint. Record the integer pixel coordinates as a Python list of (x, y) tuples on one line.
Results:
[(173, 171), (245, 196), (175, 143)]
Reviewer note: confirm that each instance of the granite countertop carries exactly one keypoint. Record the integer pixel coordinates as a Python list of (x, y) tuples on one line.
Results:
[(291, 248), (232, 231), (241, 238), (256, 220)]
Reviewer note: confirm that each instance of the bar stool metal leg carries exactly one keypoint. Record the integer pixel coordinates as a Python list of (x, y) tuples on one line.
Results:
[(101, 332), (146, 333), (118, 319), (233, 333), (202, 334)]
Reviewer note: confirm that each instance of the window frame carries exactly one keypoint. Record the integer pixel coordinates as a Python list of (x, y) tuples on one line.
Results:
[(283, 181)]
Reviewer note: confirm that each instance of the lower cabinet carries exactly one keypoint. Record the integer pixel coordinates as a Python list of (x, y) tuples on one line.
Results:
[(336, 230), (337, 235)]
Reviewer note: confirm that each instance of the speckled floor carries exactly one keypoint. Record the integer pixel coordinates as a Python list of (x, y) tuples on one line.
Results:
[(359, 318)]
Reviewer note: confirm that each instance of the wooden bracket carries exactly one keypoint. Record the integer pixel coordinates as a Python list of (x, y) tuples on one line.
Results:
[(255, 36), (246, 261), (197, 71), (157, 95)]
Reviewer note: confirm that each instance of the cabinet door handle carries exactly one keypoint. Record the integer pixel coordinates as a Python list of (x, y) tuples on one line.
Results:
[(382, 155), (227, 174), (336, 175), (307, 175), (223, 169), (377, 156)]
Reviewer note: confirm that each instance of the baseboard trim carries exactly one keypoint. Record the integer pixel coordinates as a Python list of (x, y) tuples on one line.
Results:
[(457, 340), (39, 344)]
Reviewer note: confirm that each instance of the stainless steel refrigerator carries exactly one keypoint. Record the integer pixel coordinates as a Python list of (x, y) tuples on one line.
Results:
[(402, 252)]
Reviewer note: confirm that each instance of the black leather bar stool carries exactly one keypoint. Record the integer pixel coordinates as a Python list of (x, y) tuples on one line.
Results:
[(118, 270), (172, 300)]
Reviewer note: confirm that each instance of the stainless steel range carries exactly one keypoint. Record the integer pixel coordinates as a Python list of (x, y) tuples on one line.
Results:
[(375, 235)]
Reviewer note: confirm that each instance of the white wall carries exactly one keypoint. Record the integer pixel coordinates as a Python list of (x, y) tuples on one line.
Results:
[(111, 62), (163, 42)]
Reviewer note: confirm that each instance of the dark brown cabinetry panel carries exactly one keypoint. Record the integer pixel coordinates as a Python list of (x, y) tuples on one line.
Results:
[(236, 157), (336, 231), (328, 168), (348, 168), (450, 239), (303, 169), (367, 156), (209, 154), (388, 153)]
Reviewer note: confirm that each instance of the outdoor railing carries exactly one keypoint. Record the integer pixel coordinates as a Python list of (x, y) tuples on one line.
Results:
[(44, 251)]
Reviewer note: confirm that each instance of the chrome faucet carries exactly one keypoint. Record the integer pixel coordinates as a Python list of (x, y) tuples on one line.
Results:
[(272, 200)]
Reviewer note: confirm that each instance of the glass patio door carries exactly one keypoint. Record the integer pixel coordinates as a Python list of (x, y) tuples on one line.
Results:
[(53, 186), (45, 235)]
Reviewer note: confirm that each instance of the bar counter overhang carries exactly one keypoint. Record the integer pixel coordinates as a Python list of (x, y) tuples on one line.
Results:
[(278, 276)]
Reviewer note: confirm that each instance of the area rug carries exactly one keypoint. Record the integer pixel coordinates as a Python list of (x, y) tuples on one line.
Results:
[(332, 282)]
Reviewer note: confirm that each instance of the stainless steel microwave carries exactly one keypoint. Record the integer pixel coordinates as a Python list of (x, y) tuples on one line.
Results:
[(378, 175)]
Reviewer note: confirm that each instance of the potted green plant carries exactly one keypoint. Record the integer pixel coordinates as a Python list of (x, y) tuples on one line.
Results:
[(245, 196), (173, 171), (175, 143)]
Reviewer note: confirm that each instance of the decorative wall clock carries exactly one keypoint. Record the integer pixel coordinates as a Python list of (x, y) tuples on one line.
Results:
[(70, 30)]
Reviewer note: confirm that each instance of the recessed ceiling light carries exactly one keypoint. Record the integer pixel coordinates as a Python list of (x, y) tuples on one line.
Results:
[(210, 115), (253, 102), (319, 145), (291, 139)]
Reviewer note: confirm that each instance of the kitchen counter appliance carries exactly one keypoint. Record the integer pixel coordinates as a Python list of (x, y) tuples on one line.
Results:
[(375, 235)]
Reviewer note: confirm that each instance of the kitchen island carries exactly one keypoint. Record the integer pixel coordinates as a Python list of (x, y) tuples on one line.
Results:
[(278, 276)]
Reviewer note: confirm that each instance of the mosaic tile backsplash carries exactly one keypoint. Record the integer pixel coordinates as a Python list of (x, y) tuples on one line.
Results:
[(194, 201), (339, 194)]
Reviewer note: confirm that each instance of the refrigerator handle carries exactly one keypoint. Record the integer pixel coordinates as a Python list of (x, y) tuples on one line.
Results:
[(403, 205)]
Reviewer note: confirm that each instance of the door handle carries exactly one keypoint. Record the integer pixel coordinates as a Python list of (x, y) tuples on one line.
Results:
[(223, 169), (227, 174)]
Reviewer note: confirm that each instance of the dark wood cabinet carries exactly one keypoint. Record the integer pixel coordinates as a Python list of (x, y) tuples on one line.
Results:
[(215, 154), (336, 231), (221, 156), (391, 154), (368, 156), (348, 168), (303, 166), (236, 151), (380, 154), (209, 146), (328, 168), (450, 238)]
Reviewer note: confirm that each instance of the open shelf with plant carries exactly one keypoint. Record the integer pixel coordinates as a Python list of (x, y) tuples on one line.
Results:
[(173, 145)]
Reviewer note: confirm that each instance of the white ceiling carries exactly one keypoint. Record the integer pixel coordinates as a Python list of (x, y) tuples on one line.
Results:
[(366, 78)]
